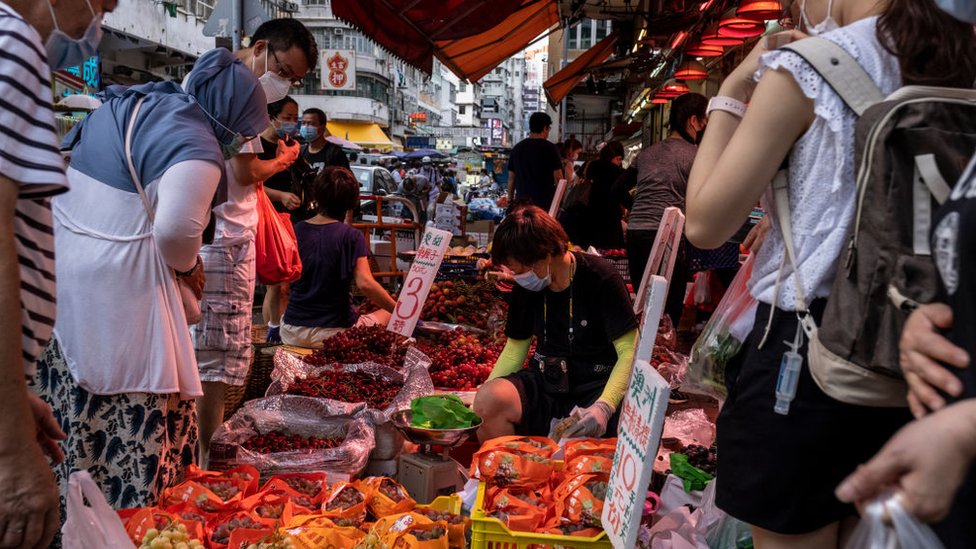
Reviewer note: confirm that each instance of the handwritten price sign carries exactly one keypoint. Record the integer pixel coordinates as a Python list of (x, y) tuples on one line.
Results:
[(418, 282), (663, 254), (639, 435)]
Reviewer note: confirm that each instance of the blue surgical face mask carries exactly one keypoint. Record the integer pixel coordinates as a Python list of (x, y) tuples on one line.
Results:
[(533, 282), (287, 129), (963, 10), (232, 149), (64, 51), (310, 133)]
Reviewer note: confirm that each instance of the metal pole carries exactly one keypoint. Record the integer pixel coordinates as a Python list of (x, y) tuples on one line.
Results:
[(236, 19), (562, 64)]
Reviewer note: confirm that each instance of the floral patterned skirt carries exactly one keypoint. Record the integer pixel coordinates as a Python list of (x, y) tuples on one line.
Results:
[(134, 445)]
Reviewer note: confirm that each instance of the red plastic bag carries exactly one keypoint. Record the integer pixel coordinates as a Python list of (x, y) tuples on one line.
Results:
[(275, 244)]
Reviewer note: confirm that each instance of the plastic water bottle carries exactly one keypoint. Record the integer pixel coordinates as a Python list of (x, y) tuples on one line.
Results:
[(789, 374)]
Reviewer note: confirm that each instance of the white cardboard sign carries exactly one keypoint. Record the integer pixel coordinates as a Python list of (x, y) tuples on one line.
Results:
[(417, 284), (447, 217), (663, 254), (557, 199), (642, 415)]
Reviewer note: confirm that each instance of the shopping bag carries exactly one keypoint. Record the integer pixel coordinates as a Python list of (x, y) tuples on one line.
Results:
[(93, 525), (722, 337), (901, 531), (275, 245)]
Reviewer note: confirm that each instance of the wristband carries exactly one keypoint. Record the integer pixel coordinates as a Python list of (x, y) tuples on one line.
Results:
[(192, 269), (727, 104)]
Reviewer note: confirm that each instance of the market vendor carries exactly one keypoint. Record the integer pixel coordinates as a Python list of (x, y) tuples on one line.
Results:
[(578, 310)]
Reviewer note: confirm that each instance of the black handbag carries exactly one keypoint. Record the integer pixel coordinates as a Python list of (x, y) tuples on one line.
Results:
[(554, 371)]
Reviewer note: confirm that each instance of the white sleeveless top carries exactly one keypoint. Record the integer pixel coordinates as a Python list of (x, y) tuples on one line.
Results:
[(821, 172)]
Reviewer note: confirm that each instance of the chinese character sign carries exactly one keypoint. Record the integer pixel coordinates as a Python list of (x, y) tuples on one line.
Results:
[(338, 69), (664, 252), (417, 284), (642, 414)]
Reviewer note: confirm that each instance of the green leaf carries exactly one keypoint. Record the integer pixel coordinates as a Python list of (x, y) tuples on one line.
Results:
[(442, 412)]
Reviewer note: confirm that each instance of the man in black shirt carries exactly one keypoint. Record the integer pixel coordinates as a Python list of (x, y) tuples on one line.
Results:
[(318, 152), (535, 165)]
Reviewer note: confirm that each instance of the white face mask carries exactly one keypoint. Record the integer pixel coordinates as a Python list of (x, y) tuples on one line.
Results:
[(275, 87), (533, 282), (827, 25), (64, 51)]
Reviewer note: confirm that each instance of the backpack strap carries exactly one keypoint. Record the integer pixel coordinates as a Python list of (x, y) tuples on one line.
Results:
[(840, 70)]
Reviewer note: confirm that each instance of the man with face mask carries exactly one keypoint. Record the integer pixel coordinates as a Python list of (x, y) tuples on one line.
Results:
[(282, 51), (31, 171), (319, 152)]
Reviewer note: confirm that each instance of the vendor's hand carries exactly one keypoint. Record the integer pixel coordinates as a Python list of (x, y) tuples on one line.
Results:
[(290, 201), (592, 421), (287, 153), (754, 240), (923, 348), (48, 430), (926, 461), (741, 81), (196, 279)]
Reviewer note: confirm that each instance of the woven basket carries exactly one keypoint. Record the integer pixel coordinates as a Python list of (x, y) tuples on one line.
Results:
[(233, 399), (258, 333), (262, 365)]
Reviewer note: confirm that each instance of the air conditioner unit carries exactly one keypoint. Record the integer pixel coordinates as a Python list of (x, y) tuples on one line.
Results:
[(337, 32)]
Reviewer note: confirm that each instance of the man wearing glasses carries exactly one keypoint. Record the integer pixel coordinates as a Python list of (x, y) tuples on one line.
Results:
[(282, 51)]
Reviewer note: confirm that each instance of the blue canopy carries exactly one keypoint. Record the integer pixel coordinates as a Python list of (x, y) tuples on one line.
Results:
[(419, 154)]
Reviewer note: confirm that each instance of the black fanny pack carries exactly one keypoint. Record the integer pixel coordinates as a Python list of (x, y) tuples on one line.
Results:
[(555, 373)]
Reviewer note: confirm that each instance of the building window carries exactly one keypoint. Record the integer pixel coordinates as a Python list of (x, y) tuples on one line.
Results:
[(316, 2), (602, 30), (462, 109), (463, 87), (573, 37), (586, 34)]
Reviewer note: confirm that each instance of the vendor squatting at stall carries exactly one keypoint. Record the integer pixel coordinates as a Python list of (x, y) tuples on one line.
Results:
[(579, 311)]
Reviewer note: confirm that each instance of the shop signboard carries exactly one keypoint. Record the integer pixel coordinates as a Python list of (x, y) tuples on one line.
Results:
[(417, 284), (337, 69), (419, 142), (642, 414), (557, 199), (663, 254)]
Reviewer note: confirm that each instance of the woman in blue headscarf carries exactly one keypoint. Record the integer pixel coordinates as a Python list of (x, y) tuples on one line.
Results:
[(120, 371)]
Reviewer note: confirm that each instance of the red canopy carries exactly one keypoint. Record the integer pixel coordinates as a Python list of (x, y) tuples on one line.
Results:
[(561, 83), (471, 37)]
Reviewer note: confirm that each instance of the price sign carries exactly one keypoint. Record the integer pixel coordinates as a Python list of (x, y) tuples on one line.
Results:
[(663, 254), (447, 217), (642, 414), (557, 200), (417, 284)]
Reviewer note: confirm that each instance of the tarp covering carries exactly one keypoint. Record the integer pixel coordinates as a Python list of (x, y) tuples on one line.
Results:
[(560, 84), (366, 134)]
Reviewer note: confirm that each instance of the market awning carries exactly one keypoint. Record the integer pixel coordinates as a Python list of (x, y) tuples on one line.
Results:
[(560, 84), (471, 37), (366, 135)]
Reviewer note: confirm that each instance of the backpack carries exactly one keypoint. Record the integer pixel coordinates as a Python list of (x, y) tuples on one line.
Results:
[(908, 146)]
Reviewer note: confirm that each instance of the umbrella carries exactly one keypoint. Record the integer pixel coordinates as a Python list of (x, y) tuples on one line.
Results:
[(419, 154), (344, 143)]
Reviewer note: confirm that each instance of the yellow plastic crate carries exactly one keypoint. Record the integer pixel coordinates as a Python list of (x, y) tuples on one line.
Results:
[(491, 533), (445, 504)]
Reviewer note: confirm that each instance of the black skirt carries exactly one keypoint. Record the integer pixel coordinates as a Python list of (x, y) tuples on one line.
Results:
[(779, 472)]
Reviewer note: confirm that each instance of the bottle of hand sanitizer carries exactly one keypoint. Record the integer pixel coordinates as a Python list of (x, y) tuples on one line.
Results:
[(789, 374)]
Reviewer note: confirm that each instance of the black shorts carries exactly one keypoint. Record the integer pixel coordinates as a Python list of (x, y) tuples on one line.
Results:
[(539, 408), (779, 472)]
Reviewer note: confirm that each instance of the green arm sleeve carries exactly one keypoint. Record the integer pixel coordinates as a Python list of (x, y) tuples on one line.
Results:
[(616, 387), (512, 357)]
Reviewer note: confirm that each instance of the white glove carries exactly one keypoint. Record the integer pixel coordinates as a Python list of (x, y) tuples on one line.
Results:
[(592, 421)]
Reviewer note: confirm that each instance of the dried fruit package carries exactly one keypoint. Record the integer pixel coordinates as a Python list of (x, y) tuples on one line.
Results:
[(347, 500), (219, 531), (210, 495), (385, 496), (305, 489), (241, 472), (579, 499), (457, 525), (605, 447), (515, 461), (520, 510), (561, 527), (583, 465), (424, 536), (408, 531)]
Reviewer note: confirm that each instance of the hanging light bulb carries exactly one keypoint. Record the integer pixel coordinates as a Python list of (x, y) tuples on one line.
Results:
[(760, 10), (691, 70)]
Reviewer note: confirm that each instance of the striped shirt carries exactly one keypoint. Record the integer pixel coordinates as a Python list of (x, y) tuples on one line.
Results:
[(29, 157)]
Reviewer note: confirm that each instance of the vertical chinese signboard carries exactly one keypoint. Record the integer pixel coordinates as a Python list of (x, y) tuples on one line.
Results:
[(338, 69), (663, 254), (642, 414), (417, 284)]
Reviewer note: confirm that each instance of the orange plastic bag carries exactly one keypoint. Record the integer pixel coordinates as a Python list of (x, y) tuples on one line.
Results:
[(220, 530), (272, 510), (584, 465), (605, 447), (316, 531), (309, 489), (241, 472), (346, 501), (275, 244), (457, 525), (213, 495), (579, 499), (242, 538), (519, 509), (385, 496), (410, 531), (139, 521), (514, 461)]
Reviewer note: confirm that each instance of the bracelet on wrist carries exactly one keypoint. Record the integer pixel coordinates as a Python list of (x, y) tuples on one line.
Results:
[(191, 271), (726, 104)]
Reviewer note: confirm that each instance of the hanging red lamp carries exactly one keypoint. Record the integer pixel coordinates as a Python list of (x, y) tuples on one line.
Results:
[(701, 50), (711, 37), (760, 10), (659, 100), (691, 70), (737, 27), (673, 87)]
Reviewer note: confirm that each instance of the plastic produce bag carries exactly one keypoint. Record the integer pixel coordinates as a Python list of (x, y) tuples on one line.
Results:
[(92, 525), (903, 532), (690, 426), (442, 412), (275, 245), (722, 337), (304, 416)]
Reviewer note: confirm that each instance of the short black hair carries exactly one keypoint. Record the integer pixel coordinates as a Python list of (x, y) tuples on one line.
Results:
[(611, 150), (285, 34), (684, 107), (274, 109), (528, 235), (539, 121), (318, 113), (336, 192)]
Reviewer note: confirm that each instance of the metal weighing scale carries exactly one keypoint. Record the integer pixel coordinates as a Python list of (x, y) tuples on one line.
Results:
[(428, 474)]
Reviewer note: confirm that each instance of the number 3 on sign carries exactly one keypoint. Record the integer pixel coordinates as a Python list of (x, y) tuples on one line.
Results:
[(418, 282)]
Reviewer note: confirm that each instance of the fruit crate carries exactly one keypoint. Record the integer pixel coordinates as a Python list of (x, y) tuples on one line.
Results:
[(622, 265), (491, 533), (448, 504)]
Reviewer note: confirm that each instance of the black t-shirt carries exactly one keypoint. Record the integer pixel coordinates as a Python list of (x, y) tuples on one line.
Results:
[(602, 312), (281, 181), (533, 160), (330, 155)]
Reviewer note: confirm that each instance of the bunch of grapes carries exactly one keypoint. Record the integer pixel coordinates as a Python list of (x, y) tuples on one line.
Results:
[(305, 486), (270, 511), (221, 534), (705, 459), (173, 537), (346, 499), (224, 489), (436, 515), (276, 441), (389, 489), (348, 387), (359, 345), (428, 535), (276, 541)]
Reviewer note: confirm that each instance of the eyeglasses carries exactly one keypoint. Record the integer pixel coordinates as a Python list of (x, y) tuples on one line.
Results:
[(286, 72)]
